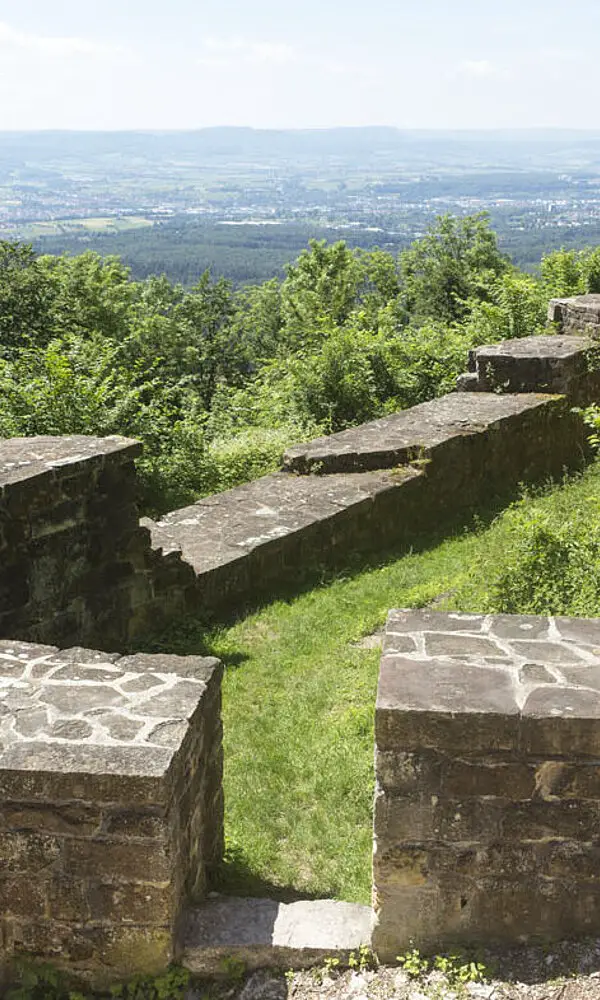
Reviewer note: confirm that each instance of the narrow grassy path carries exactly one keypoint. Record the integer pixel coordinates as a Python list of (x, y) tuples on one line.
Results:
[(298, 710)]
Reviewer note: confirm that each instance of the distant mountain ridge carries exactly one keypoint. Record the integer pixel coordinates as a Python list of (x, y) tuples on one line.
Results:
[(497, 146)]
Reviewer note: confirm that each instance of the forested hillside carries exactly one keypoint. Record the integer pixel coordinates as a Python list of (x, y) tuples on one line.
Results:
[(216, 382)]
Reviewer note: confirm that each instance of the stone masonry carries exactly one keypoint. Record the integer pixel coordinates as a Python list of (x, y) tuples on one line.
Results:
[(368, 489), (577, 315), (566, 364), (111, 806), (488, 782), (76, 567), (111, 810)]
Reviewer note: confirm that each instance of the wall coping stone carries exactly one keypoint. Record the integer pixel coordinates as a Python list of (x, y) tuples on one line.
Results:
[(65, 714), (577, 313), (27, 458), (403, 436), (540, 363), (536, 679)]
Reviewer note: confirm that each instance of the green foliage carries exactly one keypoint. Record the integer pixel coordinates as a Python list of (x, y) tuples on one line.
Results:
[(171, 985), (363, 959), (458, 970), (232, 968), (37, 981), (217, 383), (456, 262), (543, 556), (442, 972), (570, 272)]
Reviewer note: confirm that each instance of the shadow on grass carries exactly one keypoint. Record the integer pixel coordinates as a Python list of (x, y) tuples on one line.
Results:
[(235, 877), (195, 634)]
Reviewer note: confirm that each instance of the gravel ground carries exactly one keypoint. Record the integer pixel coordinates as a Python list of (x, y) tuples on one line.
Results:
[(562, 972)]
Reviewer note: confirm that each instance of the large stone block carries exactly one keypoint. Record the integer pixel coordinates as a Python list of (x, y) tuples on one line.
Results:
[(579, 314), (487, 801), (111, 811), (554, 364)]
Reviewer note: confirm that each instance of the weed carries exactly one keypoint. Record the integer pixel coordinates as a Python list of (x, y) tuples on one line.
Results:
[(413, 963), (459, 970), (362, 960), (232, 968)]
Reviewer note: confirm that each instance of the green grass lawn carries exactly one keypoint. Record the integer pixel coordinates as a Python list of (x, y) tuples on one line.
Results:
[(299, 697)]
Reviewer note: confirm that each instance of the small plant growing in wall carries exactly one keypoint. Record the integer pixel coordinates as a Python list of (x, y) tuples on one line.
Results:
[(37, 981), (171, 985)]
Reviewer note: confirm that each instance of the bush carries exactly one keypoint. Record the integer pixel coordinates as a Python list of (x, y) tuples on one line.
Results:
[(543, 555)]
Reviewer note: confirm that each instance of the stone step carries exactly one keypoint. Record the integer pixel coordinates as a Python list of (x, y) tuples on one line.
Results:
[(264, 933)]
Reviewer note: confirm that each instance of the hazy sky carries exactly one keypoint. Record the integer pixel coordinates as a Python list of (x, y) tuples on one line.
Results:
[(314, 63)]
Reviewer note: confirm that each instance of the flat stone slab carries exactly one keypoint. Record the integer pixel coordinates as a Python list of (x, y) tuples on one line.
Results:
[(406, 436), (225, 527), (264, 933), (528, 683), (577, 314), (533, 364), (68, 713), (24, 458)]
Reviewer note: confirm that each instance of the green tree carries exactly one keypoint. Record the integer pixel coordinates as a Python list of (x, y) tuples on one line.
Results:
[(455, 264), (25, 297)]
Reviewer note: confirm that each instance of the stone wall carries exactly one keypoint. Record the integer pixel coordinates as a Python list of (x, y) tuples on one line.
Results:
[(577, 315), (488, 782), (111, 809), (76, 567), (368, 489), (111, 806), (567, 364)]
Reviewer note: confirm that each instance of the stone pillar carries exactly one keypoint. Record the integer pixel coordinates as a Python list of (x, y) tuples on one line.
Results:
[(75, 565), (111, 805), (488, 784)]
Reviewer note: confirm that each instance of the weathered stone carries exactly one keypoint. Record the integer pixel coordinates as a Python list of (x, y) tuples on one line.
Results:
[(579, 314), (488, 784), (538, 364), (77, 566), (262, 932), (115, 822), (403, 437), (459, 451)]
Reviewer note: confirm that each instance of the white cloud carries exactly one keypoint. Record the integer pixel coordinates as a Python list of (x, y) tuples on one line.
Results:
[(477, 68), (226, 52), (55, 45)]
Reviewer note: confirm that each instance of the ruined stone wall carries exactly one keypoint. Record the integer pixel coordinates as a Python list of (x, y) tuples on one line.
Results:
[(111, 809), (488, 786), (368, 489), (76, 567)]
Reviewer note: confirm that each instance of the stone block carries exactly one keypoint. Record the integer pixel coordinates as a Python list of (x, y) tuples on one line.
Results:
[(265, 933), (110, 805), (576, 315), (554, 364), (488, 784)]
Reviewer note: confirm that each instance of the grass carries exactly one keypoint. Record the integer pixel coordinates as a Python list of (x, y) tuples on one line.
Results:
[(104, 224), (299, 698)]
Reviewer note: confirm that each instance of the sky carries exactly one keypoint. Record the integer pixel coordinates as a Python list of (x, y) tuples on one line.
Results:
[(186, 64)]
